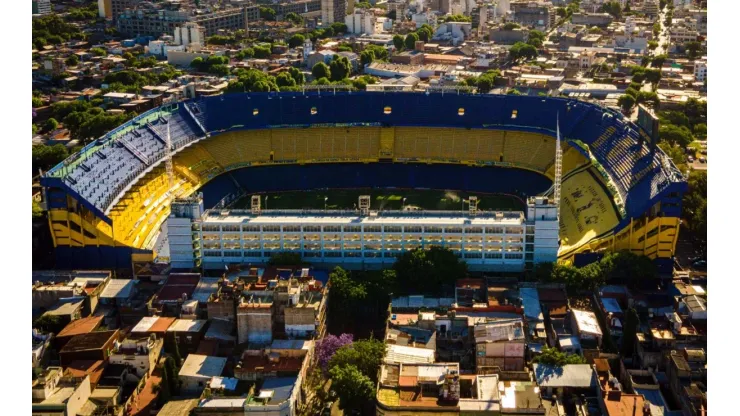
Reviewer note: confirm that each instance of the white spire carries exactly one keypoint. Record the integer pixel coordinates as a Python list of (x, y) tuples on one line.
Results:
[(558, 166)]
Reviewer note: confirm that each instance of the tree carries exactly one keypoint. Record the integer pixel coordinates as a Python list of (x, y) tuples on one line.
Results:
[(170, 368), (367, 57), (652, 45), (650, 98), (339, 28), (398, 42), (487, 81), (522, 50), (410, 41), (345, 292), (72, 60), (458, 18), (262, 52), (561, 12), (513, 91), (511, 26), (354, 389), (674, 152), (613, 8), (98, 51), (325, 348), (49, 323), (164, 390), (381, 53), (284, 79), (627, 103), (536, 38), (673, 117), (44, 157), (552, 356), (366, 355), (426, 271), (36, 102), (693, 49), (629, 336), (296, 40), (294, 18), (321, 70), (171, 348), (672, 134), (425, 33), (297, 75), (36, 210), (658, 61), (695, 202), (628, 268), (267, 14), (51, 124), (340, 68)]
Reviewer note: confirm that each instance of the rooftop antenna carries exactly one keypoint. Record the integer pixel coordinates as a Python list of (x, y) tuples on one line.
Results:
[(558, 167)]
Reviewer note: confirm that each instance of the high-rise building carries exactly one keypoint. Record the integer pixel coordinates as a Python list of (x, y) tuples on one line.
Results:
[(41, 6), (151, 20), (333, 11), (189, 33)]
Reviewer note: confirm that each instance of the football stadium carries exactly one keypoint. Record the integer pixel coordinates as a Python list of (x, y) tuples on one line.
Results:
[(181, 162)]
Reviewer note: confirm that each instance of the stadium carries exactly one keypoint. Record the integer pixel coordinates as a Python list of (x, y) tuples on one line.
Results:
[(106, 204)]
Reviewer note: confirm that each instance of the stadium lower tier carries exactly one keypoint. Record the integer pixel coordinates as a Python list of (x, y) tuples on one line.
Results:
[(109, 201)]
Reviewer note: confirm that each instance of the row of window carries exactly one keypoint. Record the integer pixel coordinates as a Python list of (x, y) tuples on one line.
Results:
[(356, 254), (358, 229)]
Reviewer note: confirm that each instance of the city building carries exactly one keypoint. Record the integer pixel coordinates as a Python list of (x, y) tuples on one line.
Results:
[(700, 70), (198, 370), (147, 19), (41, 6), (333, 11)]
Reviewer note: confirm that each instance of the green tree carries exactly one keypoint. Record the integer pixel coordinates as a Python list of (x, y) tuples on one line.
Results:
[(36, 210), (72, 60), (51, 124), (410, 41), (553, 357), (365, 355), (284, 79), (695, 202), (339, 68), (513, 91), (658, 61), (294, 18), (171, 348), (676, 153), (693, 49), (628, 268), (381, 53), (36, 102), (652, 45), (629, 336), (354, 389), (679, 135), (44, 157), (262, 52), (613, 8), (170, 368), (296, 40), (536, 38), (458, 18), (426, 271), (267, 13), (511, 26), (98, 51), (561, 12), (425, 34), (164, 390), (522, 50), (49, 323), (627, 103), (487, 81), (398, 42), (650, 98), (297, 75), (367, 57), (321, 70), (339, 28)]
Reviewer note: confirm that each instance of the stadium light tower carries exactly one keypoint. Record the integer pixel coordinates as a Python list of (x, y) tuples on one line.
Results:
[(558, 167)]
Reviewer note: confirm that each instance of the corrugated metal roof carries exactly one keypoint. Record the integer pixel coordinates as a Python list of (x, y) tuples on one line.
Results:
[(408, 355), (570, 375)]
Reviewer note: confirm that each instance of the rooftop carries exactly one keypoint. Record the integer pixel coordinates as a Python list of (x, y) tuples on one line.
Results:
[(91, 341), (409, 355), (202, 366), (153, 324), (80, 326), (205, 288), (570, 375), (66, 306), (587, 322), (178, 407), (275, 390), (187, 325), (118, 288)]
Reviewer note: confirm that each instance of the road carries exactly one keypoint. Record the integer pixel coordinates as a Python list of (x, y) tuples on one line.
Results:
[(663, 37)]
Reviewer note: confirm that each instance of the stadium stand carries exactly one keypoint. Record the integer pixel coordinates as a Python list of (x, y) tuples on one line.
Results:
[(110, 198)]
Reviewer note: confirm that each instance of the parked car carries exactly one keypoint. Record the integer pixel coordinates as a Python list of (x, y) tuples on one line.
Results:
[(702, 160), (690, 159)]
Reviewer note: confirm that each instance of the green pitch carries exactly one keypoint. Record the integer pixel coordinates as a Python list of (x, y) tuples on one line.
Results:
[(385, 199)]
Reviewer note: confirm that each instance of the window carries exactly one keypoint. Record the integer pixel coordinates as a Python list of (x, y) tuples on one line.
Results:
[(255, 111), (513, 114), (432, 229), (231, 228), (473, 230), (494, 230), (312, 228), (392, 229), (493, 255), (453, 230), (271, 228), (211, 228), (460, 111), (332, 229), (291, 228), (251, 228), (314, 110), (412, 229), (372, 228), (386, 110)]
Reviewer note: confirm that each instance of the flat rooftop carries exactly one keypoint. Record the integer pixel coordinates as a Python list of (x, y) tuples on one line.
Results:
[(90, 341), (202, 366), (187, 325), (80, 326), (337, 217)]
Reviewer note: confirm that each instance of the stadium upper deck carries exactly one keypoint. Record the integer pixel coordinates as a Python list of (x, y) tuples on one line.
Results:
[(114, 193)]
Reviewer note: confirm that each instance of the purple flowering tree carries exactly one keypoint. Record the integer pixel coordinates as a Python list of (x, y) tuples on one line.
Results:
[(326, 348)]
